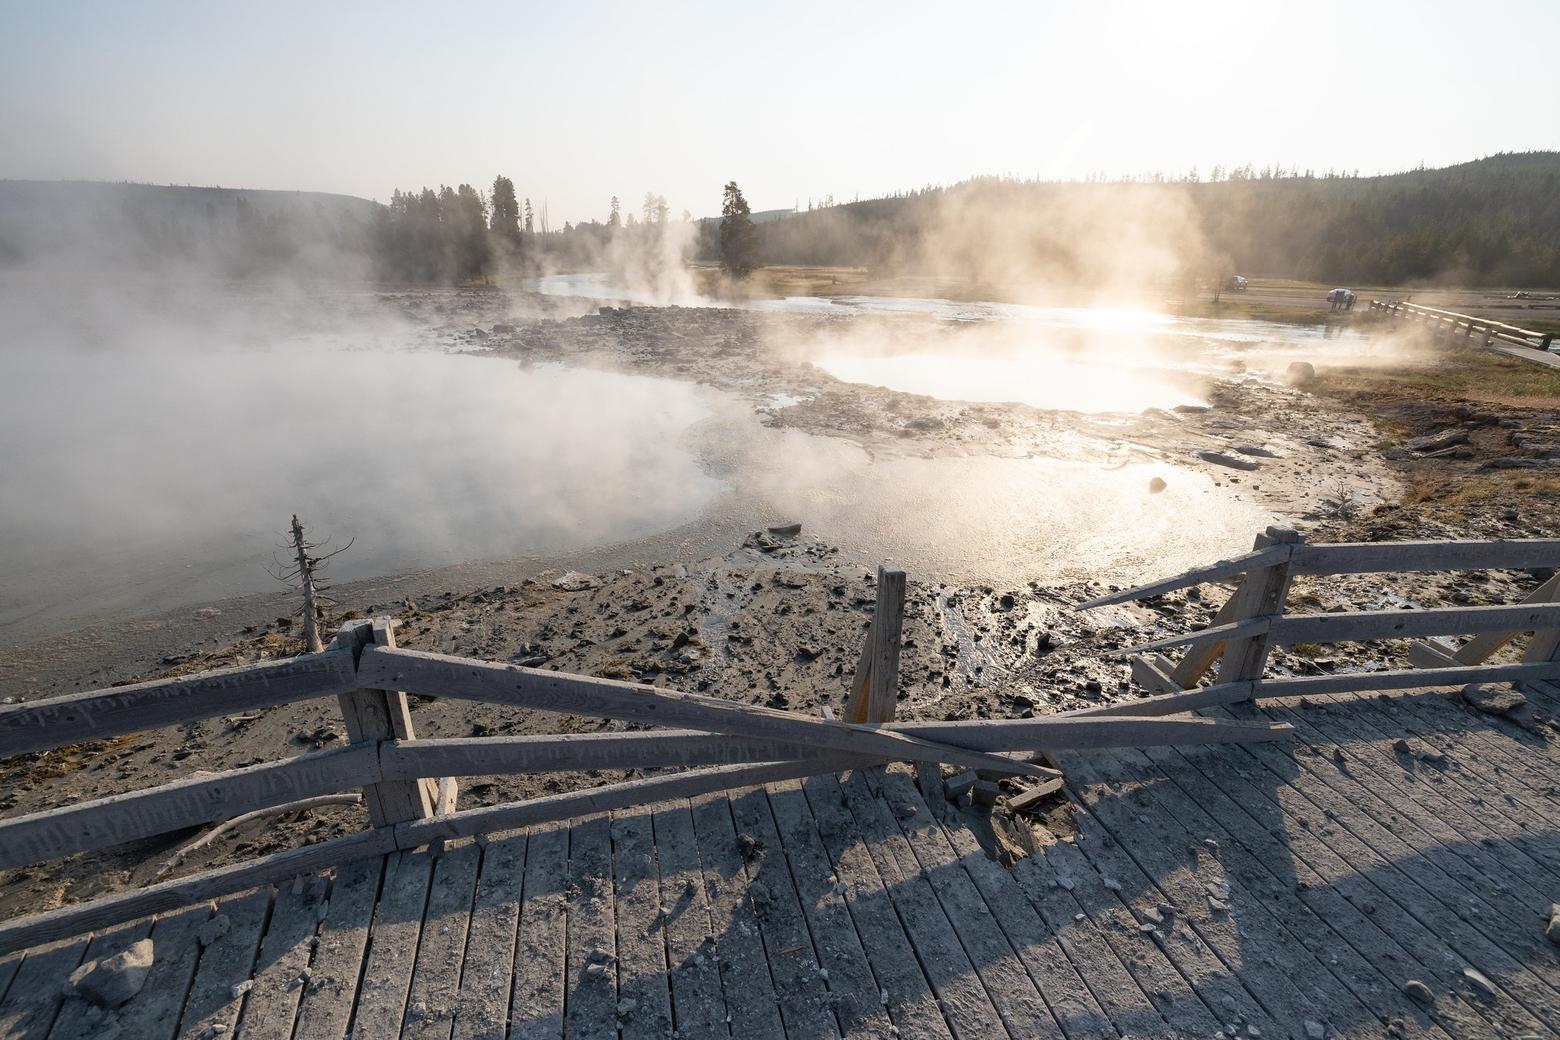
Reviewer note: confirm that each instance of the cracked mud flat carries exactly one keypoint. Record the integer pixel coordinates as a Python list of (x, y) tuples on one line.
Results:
[(783, 628)]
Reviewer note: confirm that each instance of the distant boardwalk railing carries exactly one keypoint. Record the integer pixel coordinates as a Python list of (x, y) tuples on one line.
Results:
[(407, 783), (1254, 619), (1465, 326)]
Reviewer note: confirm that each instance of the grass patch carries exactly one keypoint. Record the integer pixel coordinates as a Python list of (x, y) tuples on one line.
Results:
[(1503, 488), (1465, 374)]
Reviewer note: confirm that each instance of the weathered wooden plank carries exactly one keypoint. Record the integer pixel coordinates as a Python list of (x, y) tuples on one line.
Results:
[(1221, 570), (953, 976), (325, 1008), (392, 945), (1264, 592), (488, 973), (590, 1009), (1401, 624), (170, 895), (436, 675), (1358, 950), (212, 1006), (644, 999), (1371, 557), (1207, 641), (1033, 940), (77, 1019), (794, 964), (1006, 980), (751, 1000), (9, 964), (1237, 927), (876, 700), (536, 1009), (131, 816), (482, 756), (282, 970), (372, 715), (154, 1012), (98, 714), (432, 1001), (853, 992), (698, 1005), (1482, 646), (570, 804)]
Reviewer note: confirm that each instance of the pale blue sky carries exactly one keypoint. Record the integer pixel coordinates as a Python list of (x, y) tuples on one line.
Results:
[(581, 101)]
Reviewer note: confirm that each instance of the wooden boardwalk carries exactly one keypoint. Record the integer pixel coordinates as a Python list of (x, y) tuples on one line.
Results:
[(1258, 890)]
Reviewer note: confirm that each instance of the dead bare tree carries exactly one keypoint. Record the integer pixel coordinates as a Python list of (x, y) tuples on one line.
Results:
[(304, 574)]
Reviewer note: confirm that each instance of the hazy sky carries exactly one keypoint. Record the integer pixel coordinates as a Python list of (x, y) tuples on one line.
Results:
[(580, 101)]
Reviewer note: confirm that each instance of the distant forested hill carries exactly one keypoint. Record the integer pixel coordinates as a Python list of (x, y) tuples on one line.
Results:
[(1495, 221)]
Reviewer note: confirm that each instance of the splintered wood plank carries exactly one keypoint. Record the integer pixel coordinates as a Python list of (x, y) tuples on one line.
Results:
[(1238, 928), (325, 1009), (893, 800), (905, 990), (32, 1003), (282, 970), (77, 1019), (392, 945), (488, 972), (744, 969), (1035, 942), (1348, 865), (1365, 957), (431, 1002), (958, 986), (153, 1014), (698, 1005), (8, 968), (536, 1011), (793, 962), (853, 991), (590, 1008), (644, 1000), (212, 1006)]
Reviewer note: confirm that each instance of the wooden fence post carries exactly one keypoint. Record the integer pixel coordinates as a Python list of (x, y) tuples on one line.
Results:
[(375, 715), (874, 693)]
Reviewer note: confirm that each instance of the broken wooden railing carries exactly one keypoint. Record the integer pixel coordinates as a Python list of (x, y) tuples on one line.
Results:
[(1254, 619), (718, 744), (1464, 326)]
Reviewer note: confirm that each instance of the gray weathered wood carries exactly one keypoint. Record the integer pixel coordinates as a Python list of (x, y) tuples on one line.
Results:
[(373, 714), (1209, 641), (98, 714), (211, 1007), (488, 973), (170, 895), (1077, 732), (698, 1004), (1480, 647), (432, 1003), (875, 700), (643, 992), (571, 804), (751, 999), (441, 676), (1263, 593), (154, 1012), (127, 817), (1370, 557), (281, 972), (591, 969), (1220, 571), (536, 1003), (77, 1019), (392, 946), (325, 1008)]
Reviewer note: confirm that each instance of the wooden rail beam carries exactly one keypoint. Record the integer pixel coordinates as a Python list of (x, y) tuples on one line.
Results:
[(874, 693)]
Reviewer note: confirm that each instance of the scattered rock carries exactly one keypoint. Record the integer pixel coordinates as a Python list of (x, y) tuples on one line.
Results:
[(1255, 451), (1480, 981), (214, 929), (240, 988), (574, 581), (1299, 373), (1553, 931), (1418, 991), (785, 531), (1314, 1030), (1156, 485), (749, 846), (1220, 458), (110, 982), (1494, 699), (1437, 441)]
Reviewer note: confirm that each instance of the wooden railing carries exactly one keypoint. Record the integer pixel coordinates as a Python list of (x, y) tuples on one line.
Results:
[(1466, 326), (409, 805), (1254, 619)]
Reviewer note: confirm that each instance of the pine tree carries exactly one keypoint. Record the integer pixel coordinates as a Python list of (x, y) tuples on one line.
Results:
[(506, 213), (616, 217), (528, 216), (736, 233)]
